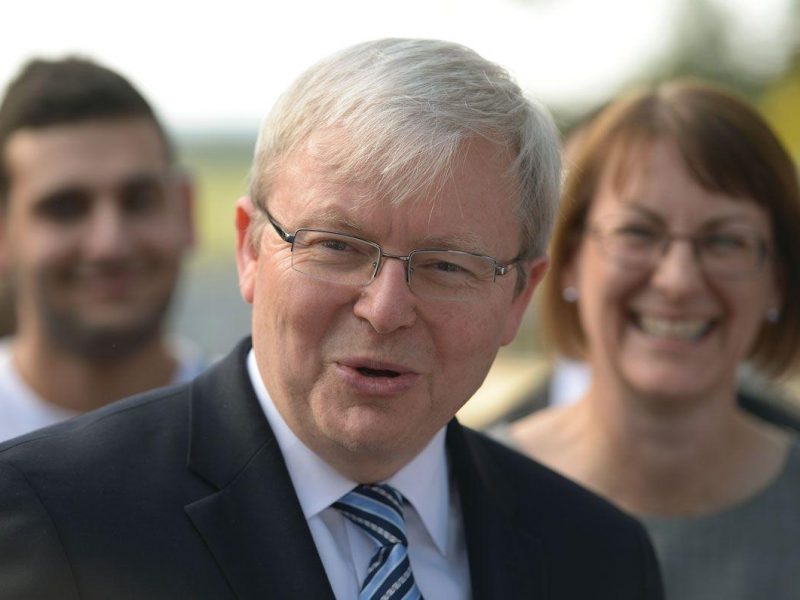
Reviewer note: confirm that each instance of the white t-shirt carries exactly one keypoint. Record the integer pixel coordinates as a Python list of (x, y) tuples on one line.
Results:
[(23, 410)]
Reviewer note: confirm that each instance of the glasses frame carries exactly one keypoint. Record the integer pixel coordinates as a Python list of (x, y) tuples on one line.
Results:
[(289, 238), (694, 241)]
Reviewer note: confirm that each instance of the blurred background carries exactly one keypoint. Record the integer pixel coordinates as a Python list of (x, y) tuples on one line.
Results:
[(212, 70)]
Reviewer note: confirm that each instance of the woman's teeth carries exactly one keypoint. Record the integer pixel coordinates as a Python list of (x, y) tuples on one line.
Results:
[(679, 329)]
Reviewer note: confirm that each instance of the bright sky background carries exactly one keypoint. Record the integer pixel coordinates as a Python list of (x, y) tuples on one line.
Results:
[(216, 65)]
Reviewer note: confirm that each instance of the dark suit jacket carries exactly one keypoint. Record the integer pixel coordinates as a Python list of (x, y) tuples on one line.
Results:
[(183, 493)]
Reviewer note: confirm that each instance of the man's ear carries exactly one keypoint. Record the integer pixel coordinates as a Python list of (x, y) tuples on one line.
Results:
[(246, 250), (536, 269)]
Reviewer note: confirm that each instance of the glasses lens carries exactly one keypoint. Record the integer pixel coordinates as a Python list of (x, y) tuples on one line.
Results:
[(334, 257), (450, 275), (732, 253), (636, 243), (630, 241)]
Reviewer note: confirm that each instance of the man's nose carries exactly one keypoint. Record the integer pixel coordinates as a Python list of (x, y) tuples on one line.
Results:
[(387, 303), (108, 230)]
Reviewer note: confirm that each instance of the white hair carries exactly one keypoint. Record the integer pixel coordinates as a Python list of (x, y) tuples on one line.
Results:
[(406, 107)]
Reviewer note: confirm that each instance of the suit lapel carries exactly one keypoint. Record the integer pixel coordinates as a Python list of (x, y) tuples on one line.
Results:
[(253, 525), (505, 560)]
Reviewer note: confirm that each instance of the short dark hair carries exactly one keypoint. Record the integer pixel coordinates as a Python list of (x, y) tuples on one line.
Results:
[(70, 90)]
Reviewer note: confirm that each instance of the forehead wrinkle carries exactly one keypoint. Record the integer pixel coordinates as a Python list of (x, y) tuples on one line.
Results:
[(465, 241), (331, 218), (468, 241)]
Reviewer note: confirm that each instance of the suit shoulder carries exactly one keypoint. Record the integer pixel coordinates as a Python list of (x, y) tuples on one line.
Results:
[(523, 477), (578, 531)]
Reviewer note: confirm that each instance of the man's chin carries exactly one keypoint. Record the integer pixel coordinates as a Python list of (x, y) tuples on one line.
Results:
[(379, 437), (109, 345), (103, 333), (100, 342)]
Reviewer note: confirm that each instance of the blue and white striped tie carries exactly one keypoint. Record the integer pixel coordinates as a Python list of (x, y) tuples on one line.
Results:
[(378, 510)]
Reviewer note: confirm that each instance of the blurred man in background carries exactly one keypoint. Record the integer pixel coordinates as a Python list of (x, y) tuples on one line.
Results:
[(94, 223)]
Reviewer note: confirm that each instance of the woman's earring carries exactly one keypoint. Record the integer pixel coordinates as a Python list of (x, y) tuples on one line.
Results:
[(570, 294), (773, 315)]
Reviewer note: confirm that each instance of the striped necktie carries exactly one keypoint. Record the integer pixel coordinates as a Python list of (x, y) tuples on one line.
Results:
[(378, 510)]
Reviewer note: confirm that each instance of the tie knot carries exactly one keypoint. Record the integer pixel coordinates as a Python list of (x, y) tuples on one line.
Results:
[(378, 510)]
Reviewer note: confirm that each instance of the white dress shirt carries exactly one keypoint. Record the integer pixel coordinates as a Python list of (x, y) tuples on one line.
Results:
[(23, 410), (436, 548)]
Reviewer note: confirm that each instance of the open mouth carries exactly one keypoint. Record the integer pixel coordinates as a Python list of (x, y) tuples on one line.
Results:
[(674, 329), (377, 372), (376, 377)]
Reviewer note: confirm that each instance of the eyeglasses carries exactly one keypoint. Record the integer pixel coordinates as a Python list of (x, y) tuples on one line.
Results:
[(348, 260), (732, 251)]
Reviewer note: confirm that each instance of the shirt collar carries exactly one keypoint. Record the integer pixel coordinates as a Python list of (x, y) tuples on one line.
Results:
[(423, 481)]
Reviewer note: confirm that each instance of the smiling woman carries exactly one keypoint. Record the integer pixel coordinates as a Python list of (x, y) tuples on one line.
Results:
[(676, 260)]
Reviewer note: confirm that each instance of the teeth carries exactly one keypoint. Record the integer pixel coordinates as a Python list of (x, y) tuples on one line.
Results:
[(687, 329)]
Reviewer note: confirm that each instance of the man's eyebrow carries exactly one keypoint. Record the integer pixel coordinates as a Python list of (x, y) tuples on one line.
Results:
[(160, 183), (330, 220), (464, 241), (60, 193)]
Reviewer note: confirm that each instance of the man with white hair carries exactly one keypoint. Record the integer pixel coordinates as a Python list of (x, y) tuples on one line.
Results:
[(401, 199)]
